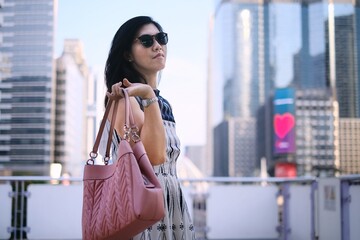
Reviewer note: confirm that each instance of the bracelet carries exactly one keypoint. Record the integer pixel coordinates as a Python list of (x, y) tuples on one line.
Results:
[(146, 102)]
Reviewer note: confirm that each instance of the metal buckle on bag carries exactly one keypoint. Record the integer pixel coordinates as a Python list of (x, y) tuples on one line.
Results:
[(91, 160), (131, 133), (135, 134), (106, 160), (126, 133)]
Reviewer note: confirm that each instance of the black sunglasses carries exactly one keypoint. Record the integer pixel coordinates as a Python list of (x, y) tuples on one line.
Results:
[(147, 40)]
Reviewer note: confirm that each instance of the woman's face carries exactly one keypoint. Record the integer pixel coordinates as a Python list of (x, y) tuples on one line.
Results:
[(148, 60)]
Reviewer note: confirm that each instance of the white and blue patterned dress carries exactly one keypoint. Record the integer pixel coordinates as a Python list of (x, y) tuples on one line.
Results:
[(177, 223)]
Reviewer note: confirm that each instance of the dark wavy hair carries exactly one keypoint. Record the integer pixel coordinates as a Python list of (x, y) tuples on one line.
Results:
[(117, 65)]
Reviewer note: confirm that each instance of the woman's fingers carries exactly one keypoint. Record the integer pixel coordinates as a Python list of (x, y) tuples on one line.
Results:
[(126, 82), (116, 91), (116, 88), (130, 87), (133, 89)]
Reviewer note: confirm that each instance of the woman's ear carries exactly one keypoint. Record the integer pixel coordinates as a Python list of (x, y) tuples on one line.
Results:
[(128, 57)]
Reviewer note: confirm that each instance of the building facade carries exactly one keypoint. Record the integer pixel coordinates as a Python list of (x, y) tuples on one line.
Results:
[(242, 52), (71, 108), (349, 145), (27, 85), (234, 141), (317, 150), (347, 64)]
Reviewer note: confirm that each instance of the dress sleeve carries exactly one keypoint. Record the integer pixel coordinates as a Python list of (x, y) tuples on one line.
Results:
[(138, 99)]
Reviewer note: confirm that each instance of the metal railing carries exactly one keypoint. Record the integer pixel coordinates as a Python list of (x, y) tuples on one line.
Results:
[(233, 208)]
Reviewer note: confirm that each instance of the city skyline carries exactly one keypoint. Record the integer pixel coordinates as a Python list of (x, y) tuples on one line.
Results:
[(250, 54), (264, 47)]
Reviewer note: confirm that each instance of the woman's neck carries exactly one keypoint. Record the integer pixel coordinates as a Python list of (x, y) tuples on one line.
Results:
[(151, 80)]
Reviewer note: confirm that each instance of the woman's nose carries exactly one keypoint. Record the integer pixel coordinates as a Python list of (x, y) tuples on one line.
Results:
[(157, 45)]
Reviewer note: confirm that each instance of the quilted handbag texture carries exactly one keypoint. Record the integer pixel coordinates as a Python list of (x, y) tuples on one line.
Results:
[(122, 199)]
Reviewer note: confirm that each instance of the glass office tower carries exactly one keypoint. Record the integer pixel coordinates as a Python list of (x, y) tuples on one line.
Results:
[(26, 84), (242, 51)]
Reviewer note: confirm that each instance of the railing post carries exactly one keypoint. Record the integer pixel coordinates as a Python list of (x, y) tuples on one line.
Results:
[(286, 195), (345, 210), (314, 187), (15, 210), (199, 215), (284, 229), (18, 227)]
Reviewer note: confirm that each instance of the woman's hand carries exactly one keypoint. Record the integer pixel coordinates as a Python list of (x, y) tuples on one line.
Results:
[(134, 89)]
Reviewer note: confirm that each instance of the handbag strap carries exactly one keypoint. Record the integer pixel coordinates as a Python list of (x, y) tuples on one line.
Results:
[(94, 153), (131, 131)]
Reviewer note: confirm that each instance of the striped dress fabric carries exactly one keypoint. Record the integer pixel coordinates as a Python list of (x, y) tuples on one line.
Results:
[(177, 223)]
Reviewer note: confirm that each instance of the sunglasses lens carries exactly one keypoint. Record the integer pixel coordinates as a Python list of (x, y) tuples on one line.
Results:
[(146, 40), (162, 38)]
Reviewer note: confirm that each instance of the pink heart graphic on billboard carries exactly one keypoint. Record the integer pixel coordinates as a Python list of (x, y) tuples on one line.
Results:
[(283, 124)]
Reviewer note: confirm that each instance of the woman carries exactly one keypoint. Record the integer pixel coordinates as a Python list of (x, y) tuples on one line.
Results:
[(137, 55)]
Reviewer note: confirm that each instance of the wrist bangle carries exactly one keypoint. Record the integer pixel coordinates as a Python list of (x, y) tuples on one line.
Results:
[(146, 102)]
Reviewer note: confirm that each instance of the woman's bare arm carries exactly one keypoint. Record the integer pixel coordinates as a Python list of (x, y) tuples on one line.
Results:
[(149, 121)]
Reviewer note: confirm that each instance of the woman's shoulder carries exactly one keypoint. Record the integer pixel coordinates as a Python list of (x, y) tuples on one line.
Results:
[(164, 105), (166, 109), (138, 99)]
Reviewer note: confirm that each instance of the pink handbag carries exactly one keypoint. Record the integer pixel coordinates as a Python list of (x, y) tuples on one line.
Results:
[(122, 199)]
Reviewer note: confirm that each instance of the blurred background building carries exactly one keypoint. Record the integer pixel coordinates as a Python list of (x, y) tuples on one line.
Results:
[(71, 131), (27, 86), (47, 106)]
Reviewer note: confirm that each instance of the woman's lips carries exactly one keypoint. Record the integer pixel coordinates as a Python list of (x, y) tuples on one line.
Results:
[(159, 55)]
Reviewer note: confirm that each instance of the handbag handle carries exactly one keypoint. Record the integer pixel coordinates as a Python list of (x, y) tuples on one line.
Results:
[(131, 131)]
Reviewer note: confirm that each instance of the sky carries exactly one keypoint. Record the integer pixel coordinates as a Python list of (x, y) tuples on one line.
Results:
[(183, 81)]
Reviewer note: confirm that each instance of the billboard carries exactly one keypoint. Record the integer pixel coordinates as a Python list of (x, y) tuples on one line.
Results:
[(284, 121), (285, 169)]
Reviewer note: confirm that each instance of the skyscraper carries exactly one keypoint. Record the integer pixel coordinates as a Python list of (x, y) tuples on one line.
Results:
[(234, 141), (243, 52), (240, 58), (347, 65), (316, 134), (27, 84), (71, 108)]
